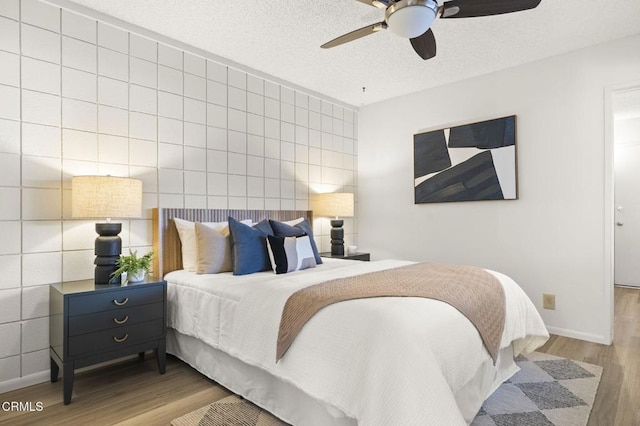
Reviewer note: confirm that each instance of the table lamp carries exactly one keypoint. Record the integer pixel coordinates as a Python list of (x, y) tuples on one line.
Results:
[(106, 197), (335, 205)]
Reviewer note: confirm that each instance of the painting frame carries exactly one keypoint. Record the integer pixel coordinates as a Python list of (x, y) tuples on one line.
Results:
[(467, 162)]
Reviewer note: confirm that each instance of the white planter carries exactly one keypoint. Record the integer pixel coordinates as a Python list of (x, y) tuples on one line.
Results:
[(137, 277)]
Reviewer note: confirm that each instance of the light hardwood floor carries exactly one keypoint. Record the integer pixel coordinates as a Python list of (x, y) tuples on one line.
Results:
[(618, 396), (128, 393), (133, 393)]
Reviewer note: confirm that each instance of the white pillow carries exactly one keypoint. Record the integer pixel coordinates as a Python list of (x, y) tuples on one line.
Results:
[(187, 233), (294, 222)]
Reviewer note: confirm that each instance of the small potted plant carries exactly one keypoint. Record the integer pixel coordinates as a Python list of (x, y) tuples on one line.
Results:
[(135, 267)]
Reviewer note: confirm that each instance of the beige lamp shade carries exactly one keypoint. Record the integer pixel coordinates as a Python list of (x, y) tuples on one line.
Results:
[(105, 197), (334, 204)]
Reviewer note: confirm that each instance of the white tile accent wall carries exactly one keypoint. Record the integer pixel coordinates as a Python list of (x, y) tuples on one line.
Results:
[(9, 368), (85, 97), (10, 9), (40, 44), (10, 267), (10, 337)]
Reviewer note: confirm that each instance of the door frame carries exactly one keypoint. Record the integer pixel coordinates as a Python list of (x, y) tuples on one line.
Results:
[(609, 200)]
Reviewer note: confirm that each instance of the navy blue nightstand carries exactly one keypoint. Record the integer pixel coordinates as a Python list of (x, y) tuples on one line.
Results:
[(351, 256), (91, 323)]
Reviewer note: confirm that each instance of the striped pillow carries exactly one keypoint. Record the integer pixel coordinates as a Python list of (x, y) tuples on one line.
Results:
[(288, 254)]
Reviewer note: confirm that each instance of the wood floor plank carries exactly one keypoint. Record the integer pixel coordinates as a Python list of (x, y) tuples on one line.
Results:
[(619, 390), (116, 393), (133, 393)]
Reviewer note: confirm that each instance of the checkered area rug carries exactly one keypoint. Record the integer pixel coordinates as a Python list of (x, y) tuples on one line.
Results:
[(229, 411), (547, 391)]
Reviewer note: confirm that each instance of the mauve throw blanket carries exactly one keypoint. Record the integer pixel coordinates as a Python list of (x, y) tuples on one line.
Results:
[(473, 291)]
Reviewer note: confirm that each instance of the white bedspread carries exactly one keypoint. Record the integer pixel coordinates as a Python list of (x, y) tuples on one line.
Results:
[(381, 361)]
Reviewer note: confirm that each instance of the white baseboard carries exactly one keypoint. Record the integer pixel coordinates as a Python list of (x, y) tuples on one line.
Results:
[(23, 382), (589, 337)]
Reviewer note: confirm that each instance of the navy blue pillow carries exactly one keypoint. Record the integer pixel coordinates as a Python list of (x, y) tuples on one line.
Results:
[(264, 226), (303, 228), (249, 247)]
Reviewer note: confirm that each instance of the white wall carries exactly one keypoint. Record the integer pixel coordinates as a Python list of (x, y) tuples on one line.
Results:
[(627, 130), (79, 96), (551, 240)]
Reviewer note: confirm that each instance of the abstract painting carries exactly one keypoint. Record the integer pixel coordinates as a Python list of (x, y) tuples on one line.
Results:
[(471, 162)]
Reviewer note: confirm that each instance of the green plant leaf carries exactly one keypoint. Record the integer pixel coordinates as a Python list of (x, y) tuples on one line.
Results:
[(132, 264)]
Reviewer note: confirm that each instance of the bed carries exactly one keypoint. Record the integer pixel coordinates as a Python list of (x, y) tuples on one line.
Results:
[(376, 361)]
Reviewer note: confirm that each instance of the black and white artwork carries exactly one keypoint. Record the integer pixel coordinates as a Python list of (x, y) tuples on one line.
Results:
[(466, 163)]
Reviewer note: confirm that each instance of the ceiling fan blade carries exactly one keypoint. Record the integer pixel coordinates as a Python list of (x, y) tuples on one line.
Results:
[(380, 4), (474, 8), (425, 45), (354, 35)]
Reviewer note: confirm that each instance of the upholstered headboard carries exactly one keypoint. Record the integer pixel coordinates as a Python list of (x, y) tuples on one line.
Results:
[(166, 243)]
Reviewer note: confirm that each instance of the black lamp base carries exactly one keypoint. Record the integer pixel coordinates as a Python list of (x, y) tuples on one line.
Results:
[(108, 247), (337, 237)]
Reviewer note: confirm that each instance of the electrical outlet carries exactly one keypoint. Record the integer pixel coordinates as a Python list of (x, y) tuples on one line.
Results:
[(549, 301)]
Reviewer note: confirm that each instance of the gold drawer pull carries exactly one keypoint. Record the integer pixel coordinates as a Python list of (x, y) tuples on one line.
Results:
[(122, 321), (124, 302), (126, 336)]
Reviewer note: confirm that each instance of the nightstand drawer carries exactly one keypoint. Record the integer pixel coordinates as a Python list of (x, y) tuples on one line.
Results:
[(104, 301), (114, 319), (115, 338)]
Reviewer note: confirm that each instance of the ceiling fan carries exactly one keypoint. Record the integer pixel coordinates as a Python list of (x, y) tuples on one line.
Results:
[(412, 19)]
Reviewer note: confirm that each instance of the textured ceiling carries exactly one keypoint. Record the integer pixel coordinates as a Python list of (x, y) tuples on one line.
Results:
[(283, 37)]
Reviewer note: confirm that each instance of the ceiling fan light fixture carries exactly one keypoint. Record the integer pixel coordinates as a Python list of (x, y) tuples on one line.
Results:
[(411, 18)]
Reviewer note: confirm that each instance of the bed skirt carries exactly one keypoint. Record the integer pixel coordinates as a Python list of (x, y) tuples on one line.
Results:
[(292, 405)]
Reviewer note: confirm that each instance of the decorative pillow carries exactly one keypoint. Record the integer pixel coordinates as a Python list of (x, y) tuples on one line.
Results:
[(264, 226), (214, 250), (281, 229), (288, 254), (249, 247), (187, 234)]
